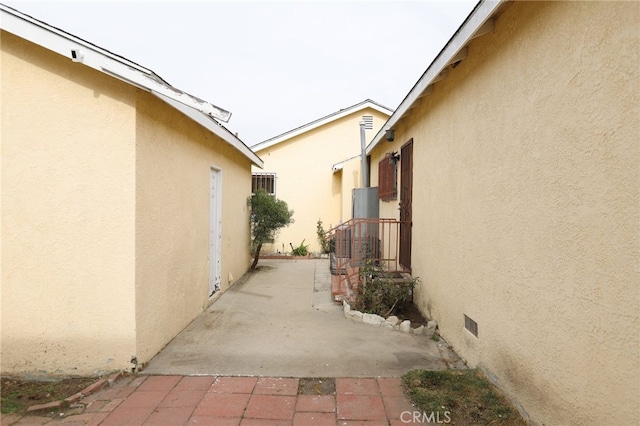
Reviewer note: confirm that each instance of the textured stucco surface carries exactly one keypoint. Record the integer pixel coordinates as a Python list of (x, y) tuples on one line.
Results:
[(526, 208), (67, 216), (305, 179), (173, 165), (348, 179), (105, 217)]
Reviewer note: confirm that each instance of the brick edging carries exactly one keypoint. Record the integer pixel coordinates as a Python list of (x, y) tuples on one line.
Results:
[(93, 388)]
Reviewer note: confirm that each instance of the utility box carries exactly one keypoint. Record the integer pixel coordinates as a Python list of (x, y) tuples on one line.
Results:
[(357, 241), (364, 203), (364, 235)]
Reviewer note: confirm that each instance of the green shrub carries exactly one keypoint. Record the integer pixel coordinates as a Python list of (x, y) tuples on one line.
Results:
[(380, 293), (268, 215), (384, 296), (301, 250)]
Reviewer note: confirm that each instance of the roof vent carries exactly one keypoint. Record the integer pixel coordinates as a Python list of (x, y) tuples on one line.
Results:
[(367, 121)]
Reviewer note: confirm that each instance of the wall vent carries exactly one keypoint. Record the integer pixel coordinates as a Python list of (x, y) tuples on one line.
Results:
[(367, 121), (471, 325)]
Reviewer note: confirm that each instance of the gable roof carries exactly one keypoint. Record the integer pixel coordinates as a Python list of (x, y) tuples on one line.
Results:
[(367, 103), (79, 50), (480, 21)]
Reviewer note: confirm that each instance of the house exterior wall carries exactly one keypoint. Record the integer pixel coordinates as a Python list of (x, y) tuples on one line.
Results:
[(350, 178), (105, 217), (68, 203), (303, 165), (525, 201), (175, 156)]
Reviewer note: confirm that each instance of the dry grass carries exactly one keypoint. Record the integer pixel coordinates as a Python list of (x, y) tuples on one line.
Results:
[(466, 396)]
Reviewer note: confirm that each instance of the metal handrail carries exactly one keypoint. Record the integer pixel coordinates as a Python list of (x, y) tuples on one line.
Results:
[(364, 241)]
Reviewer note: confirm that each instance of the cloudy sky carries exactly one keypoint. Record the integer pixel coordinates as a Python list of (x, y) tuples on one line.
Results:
[(275, 65)]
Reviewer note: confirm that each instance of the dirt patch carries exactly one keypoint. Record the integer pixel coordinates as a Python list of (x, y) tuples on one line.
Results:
[(410, 312), (17, 395), (316, 386)]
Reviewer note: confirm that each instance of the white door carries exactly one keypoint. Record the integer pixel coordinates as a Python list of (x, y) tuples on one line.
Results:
[(215, 228)]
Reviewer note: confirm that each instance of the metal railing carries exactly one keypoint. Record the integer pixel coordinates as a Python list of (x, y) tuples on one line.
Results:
[(361, 242)]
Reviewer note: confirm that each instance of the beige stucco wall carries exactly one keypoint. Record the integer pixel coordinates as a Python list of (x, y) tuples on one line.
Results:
[(303, 165), (105, 217), (350, 178), (68, 205), (173, 165), (526, 211)]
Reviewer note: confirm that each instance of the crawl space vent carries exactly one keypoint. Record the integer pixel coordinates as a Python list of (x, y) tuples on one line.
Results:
[(471, 325)]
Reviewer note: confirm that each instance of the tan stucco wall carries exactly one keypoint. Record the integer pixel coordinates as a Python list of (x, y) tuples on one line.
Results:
[(105, 217), (305, 180), (526, 211), (173, 165), (67, 215), (350, 178)]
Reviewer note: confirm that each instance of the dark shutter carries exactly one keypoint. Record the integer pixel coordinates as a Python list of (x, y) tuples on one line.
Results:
[(387, 188)]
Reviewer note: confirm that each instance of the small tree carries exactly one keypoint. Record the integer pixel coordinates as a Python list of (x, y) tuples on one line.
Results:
[(325, 243), (268, 215)]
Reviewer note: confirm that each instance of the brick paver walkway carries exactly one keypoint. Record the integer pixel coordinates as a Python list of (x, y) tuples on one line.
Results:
[(221, 401)]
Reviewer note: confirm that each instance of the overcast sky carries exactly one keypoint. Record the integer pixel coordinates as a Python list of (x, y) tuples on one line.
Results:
[(274, 65)]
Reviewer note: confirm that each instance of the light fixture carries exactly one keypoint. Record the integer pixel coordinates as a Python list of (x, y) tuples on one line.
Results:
[(390, 135), (76, 55)]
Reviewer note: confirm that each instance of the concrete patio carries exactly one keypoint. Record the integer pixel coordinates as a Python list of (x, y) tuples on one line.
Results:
[(272, 350), (280, 321)]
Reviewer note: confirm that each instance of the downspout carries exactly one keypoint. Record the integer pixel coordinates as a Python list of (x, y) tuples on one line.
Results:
[(363, 154)]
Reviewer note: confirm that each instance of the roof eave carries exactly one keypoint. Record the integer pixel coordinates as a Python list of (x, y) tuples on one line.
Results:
[(214, 127), (88, 54), (79, 50), (321, 122), (477, 21)]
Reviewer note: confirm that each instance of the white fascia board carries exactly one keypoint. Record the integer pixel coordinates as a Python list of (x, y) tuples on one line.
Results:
[(50, 37), (124, 73), (216, 128), (318, 123), (92, 56), (474, 22)]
